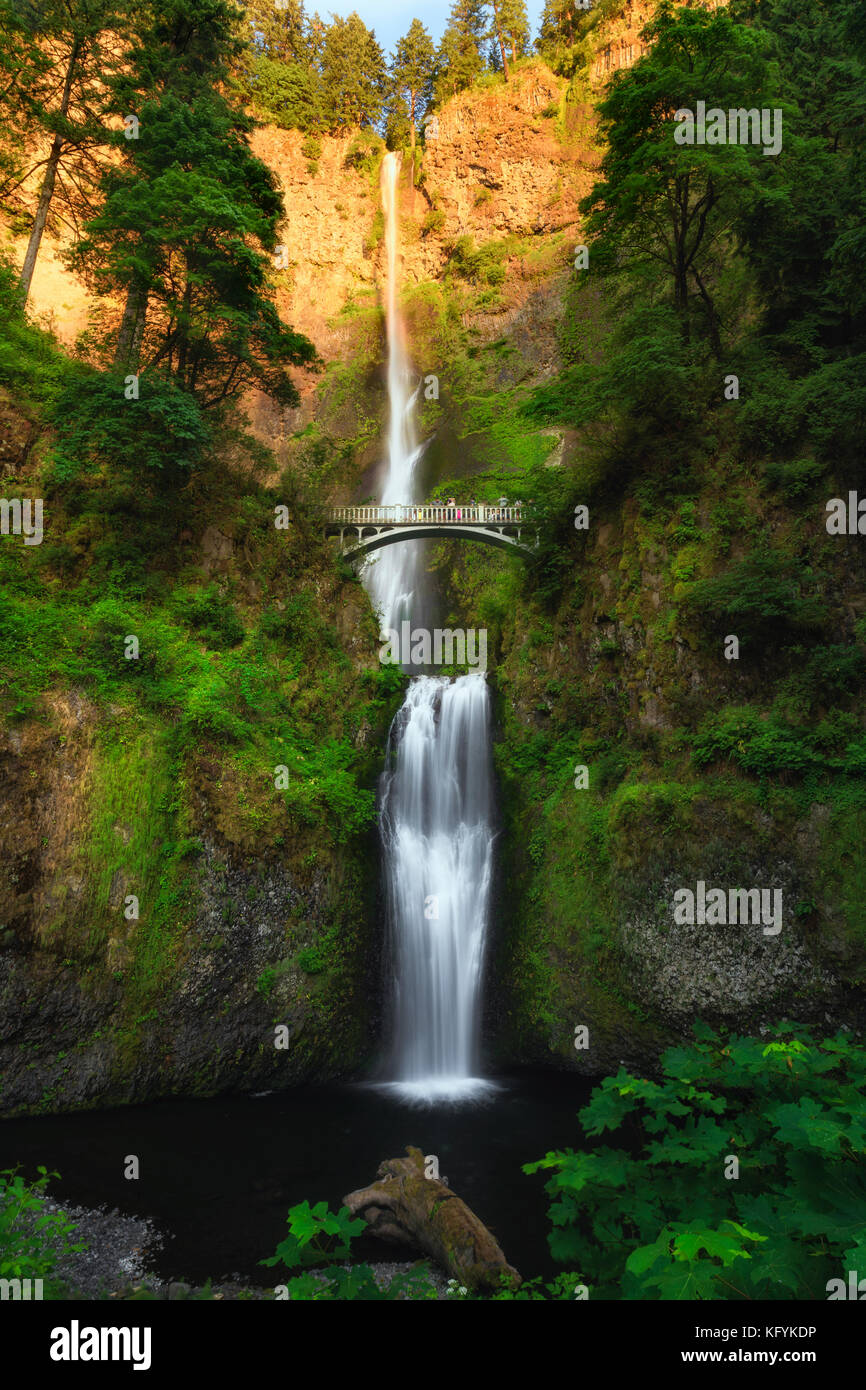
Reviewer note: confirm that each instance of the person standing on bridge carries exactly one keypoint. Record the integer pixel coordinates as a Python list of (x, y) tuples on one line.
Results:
[(449, 515)]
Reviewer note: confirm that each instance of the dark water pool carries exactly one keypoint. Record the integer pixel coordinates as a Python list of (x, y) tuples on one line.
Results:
[(220, 1174)]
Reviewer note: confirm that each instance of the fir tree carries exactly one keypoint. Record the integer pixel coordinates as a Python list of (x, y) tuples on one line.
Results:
[(279, 33), (354, 74), (514, 23), (459, 57), (412, 72), (187, 216)]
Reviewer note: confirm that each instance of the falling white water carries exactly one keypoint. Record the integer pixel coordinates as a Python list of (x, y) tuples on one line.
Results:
[(392, 578), (436, 822), (436, 814)]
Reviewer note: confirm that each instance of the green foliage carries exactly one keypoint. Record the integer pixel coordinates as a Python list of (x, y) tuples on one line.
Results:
[(211, 614), (480, 265), (289, 95), (433, 221), (312, 960), (32, 1239), (96, 426), (317, 1235), (365, 153), (763, 598), (656, 1218), (763, 746), (30, 360)]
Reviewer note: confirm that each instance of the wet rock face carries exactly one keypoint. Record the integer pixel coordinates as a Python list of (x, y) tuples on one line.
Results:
[(97, 1008), (68, 1040), (727, 973)]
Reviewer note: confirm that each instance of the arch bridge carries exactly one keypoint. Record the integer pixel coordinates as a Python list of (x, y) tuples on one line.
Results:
[(365, 529)]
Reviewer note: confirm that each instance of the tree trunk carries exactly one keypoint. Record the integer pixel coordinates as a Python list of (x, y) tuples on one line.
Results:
[(498, 29), (712, 316), (412, 124), (131, 329), (50, 179), (410, 1209)]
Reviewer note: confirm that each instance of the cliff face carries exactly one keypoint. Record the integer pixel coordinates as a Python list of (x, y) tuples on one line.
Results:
[(164, 910)]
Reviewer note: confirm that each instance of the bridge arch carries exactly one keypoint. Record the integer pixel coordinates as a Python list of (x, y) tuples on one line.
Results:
[(355, 549)]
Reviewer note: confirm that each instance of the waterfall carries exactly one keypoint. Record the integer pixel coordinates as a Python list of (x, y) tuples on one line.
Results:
[(393, 578), (436, 818)]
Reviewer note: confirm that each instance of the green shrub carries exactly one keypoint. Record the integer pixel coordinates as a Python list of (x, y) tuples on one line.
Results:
[(96, 426), (365, 153), (376, 232), (434, 221), (755, 742), (32, 1239), (766, 598), (211, 614), (312, 960), (656, 1218), (480, 265), (794, 478), (317, 1237)]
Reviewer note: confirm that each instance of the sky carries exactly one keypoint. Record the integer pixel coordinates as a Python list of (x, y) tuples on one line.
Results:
[(391, 18)]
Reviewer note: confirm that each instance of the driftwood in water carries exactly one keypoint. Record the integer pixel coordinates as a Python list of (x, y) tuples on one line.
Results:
[(408, 1208)]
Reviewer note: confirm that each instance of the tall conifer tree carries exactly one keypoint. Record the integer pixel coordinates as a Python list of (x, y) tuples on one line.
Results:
[(188, 214), (354, 74), (412, 71), (459, 57)]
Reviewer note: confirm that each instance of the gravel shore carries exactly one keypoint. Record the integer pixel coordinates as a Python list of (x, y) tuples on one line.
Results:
[(116, 1261)]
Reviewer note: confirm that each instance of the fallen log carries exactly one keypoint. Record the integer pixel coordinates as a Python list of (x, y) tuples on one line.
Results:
[(408, 1208)]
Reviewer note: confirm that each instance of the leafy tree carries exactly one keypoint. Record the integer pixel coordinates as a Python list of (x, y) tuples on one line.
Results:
[(657, 1218), (805, 235), (354, 74), (95, 426), (676, 205), (412, 71), (289, 95), (56, 57)]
